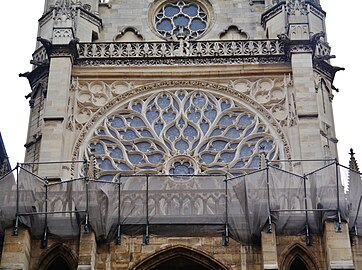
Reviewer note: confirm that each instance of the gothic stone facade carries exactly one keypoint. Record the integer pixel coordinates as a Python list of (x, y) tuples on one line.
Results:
[(180, 87)]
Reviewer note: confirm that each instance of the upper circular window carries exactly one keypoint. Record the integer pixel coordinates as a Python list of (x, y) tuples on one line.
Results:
[(181, 20)]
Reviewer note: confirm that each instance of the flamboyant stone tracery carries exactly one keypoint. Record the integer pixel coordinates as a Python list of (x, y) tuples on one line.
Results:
[(181, 132)]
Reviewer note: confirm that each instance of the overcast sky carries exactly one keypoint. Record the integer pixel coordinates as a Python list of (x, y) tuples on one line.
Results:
[(19, 31)]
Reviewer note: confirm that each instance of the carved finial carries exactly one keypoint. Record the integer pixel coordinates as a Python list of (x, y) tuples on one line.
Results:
[(353, 162)]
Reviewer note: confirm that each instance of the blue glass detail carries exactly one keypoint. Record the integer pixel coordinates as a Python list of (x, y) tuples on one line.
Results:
[(169, 116), (136, 122), (182, 146), (155, 159), (233, 133), (101, 132), (211, 114), (171, 11), (226, 120), (268, 146), (181, 96), (197, 24), (163, 102), (234, 145), (199, 101), (113, 133), (207, 158), (152, 114), (194, 116), (165, 25), (116, 153), (227, 157), (190, 133), (143, 146), (225, 106), (105, 165), (217, 132), (135, 158), (239, 165), (173, 133), (190, 10), (219, 145), (204, 127), (246, 151), (146, 134), (128, 135), (137, 108), (117, 123), (255, 163), (158, 127), (123, 167), (97, 148), (181, 168), (249, 131), (181, 20), (245, 120)]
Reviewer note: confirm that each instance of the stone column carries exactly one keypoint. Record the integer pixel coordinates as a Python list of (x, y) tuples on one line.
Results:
[(55, 116), (269, 250), (16, 250), (337, 247), (87, 251)]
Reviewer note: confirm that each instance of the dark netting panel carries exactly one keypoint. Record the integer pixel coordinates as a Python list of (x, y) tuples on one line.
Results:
[(7, 200), (324, 196), (248, 206), (355, 200), (186, 200), (63, 202), (177, 205), (286, 194)]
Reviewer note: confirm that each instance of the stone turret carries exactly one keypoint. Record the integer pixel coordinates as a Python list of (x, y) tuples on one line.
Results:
[(299, 19), (65, 20)]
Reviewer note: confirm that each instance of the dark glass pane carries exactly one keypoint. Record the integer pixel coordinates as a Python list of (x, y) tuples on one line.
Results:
[(171, 11), (190, 10), (181, 20), (197, 24), (165, 25), (298, 265), (59, 264)]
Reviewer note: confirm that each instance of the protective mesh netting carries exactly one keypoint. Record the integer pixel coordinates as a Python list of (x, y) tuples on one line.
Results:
[(182, 205)]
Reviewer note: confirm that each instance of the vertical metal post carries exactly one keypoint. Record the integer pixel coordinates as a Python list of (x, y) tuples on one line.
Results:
[(44, 240), (146, 237), (225, 236), (339, 222), (118, 233), (309, 239), (86, 178), (270, 228), (16, 226)]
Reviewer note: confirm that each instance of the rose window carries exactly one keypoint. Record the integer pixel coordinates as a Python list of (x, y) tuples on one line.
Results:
[(181, 20), (180, 132)]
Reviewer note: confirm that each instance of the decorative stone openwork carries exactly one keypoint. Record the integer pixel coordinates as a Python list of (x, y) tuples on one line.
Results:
[(182, 131), (181, 20)]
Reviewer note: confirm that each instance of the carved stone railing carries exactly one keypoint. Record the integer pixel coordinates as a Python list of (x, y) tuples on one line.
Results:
[(40, 56), (181, 49), (322, 49), (253, 50)]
